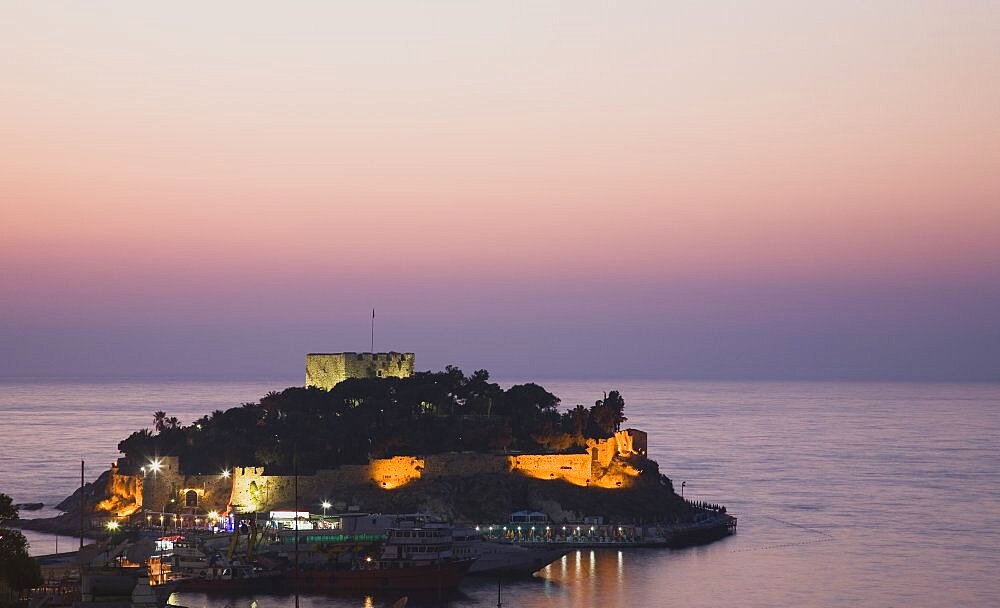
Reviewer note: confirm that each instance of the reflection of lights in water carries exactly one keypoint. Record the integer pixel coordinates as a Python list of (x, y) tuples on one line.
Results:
[(563, 563), (592, 565), (621, 566), (579, 564)]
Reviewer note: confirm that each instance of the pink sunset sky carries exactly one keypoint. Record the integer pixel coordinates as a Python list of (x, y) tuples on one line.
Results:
[(656, 189)]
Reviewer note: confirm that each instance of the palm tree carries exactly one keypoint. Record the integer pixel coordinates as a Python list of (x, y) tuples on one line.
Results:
[(159, 418)]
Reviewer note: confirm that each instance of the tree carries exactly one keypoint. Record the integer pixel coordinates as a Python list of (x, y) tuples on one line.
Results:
[(18, 569), (607, 415), (159, 420)]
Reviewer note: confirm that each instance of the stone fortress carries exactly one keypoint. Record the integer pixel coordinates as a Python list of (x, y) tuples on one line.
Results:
[(605, 464), (326, 370)]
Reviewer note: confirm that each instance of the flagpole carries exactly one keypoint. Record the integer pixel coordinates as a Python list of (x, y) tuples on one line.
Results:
[(373, 330)]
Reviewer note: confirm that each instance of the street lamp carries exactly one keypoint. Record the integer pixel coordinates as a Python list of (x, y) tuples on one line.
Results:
[(325, 506)]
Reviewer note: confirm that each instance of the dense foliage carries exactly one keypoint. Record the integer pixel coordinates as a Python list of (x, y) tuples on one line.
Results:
[(427, 413), (17, 568)]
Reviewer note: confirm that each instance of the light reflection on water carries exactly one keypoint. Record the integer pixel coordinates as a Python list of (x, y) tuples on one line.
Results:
[(848, 494)]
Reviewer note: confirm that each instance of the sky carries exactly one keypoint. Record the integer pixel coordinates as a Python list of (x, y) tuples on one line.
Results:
[(770, 190)]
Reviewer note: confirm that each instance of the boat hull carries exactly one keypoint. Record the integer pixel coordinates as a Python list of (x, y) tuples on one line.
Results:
[(523, 563), (429, 577), (228, 585)]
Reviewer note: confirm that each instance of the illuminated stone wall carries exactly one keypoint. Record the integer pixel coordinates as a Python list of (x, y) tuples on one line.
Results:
[(326, 370), (605, 464), (392, 473), (159, 487), (166, 489), (574, 468), (252, 490), (464, 465), (124, 494)]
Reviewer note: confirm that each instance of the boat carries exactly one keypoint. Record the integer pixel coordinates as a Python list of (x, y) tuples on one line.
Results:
[(494, 557), (413, 557), (193, 570), (405, 578), (491, 557)]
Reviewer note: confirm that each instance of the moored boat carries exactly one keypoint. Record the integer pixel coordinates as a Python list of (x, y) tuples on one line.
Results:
[(494, 557), (413, 557), (430, 576)]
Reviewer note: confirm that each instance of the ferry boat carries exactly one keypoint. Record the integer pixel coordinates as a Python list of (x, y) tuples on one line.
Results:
[(491, 557), (411, 558)]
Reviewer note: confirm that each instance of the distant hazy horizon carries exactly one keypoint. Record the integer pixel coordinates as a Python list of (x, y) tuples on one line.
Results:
[(777, 190)]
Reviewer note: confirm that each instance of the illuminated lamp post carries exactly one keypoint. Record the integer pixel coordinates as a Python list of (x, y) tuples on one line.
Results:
[(325, 506)]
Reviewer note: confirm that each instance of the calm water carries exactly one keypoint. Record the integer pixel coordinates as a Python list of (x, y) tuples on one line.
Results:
[(848, 494)]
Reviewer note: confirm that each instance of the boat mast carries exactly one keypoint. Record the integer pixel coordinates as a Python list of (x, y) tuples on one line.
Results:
[(83, 503), (295, 472)]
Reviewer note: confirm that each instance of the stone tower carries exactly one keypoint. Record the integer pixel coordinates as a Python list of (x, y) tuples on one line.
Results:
[(325, 370)]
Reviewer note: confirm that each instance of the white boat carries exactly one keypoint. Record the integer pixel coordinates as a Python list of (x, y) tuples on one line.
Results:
[(492, 557), (499, 557)]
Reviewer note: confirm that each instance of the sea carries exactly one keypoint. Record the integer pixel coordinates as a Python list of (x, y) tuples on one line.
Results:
[(847, 493)]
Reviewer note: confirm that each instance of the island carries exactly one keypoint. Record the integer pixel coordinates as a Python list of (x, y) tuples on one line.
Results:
[(368, 433)]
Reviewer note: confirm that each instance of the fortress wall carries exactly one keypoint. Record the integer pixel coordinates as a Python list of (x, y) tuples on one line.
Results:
[(440, 465), (326, 370), (160, 486), (314, 489), (574, 468), (214, 491), (167, 489), (379, 365), (253, 490), (250, 489), (602, 451), (394, 472), (124, 494), (619, 474), (640, 441)]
